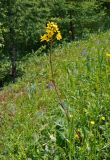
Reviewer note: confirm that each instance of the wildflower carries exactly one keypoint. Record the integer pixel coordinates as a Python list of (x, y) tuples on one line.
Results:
[(103, 118), (58, 36), (50, 85), (92, 122), (83, 53), (108, 54), (51, 30), (50, 34), (44, 38), (52, 27)]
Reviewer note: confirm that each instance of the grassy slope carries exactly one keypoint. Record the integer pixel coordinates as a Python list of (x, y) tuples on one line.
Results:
[(29, 110)]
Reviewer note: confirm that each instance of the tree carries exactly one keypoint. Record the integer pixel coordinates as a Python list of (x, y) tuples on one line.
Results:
[(9, 24), (77, 17), (23, 22)]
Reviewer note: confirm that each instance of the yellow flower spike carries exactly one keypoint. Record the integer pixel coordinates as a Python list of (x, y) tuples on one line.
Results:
[(44, 38), (108, 54), (51, 30), (58, 36), (50, 34), (51, 26), (92, 122), (55, 28)]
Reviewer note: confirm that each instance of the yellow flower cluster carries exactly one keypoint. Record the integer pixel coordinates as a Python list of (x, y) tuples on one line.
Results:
[(103, 118), (92, 122), (108, 54), (51, 30)]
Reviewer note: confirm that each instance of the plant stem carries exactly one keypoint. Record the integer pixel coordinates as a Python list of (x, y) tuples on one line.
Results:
[(53, 81)]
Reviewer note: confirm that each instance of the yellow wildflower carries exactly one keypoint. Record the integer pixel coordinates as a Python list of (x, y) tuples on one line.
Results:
[(103, 118), (52, 27), (58, 36), (44, 38), (92, 122), (50, 34), (51, 30), (108, 54)]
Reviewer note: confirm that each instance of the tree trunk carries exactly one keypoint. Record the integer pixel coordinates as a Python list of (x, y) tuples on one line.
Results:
[(13, 63), (11, 41), (72, 28)]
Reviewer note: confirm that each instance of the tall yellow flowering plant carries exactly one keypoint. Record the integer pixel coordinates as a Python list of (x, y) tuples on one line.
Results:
[(53, 32)]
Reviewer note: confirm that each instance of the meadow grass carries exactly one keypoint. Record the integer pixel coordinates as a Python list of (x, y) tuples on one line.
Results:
[(32, 124)]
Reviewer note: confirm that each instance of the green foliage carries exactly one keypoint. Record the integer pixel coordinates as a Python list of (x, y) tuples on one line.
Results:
[(1, 38), (22, 22), (27, 22), (78, 17), (29, 18)]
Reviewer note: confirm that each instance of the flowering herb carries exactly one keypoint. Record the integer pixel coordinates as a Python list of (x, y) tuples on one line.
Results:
[(51, 30), (92, 122)]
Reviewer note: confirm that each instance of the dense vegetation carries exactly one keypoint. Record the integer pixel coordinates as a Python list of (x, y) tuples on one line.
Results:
[(22, 22), (32, 124), (57, 108)]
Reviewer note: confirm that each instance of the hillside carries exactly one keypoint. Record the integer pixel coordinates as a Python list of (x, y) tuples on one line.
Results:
[(33, 126)]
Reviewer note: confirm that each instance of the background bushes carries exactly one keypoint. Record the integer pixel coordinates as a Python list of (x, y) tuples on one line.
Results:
[(22, 23)]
